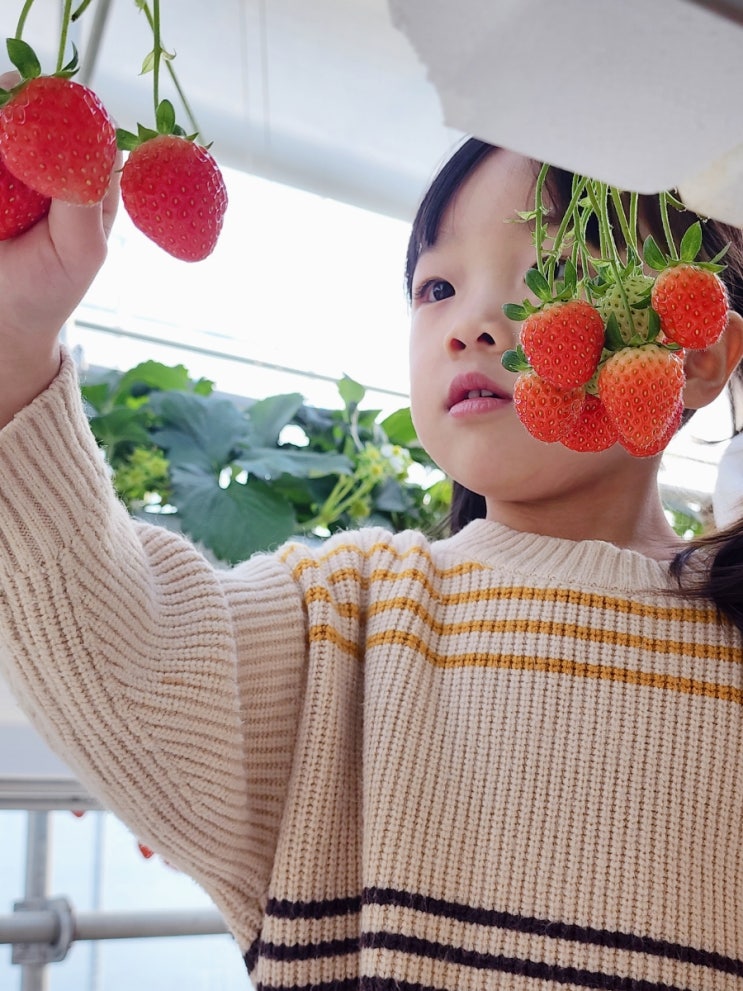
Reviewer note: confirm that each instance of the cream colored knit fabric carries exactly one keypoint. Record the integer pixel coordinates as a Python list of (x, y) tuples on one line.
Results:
[(497, 761)]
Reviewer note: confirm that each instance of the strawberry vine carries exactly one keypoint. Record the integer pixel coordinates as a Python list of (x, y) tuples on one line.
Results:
[(619, 307)]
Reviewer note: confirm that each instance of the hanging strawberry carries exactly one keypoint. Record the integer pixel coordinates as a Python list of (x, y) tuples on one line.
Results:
[(616, 333), (57, 141)]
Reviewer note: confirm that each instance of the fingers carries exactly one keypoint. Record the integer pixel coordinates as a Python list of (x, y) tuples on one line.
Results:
[(9, 79), (111, 199), (80, 233)]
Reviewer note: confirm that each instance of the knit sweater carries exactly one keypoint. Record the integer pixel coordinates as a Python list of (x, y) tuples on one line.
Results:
[(500, 760)]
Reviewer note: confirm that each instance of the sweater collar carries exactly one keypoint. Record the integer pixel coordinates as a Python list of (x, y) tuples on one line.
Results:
[(595, 563)]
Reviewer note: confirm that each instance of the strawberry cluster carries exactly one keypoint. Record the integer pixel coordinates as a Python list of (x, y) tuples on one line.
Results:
[(58, 141), (601, 358)]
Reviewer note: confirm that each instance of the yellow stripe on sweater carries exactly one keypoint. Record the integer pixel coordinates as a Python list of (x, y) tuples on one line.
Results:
[(692, 613), (522, 662)]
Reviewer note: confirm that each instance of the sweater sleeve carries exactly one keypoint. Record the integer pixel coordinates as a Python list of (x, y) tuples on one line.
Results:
[(162, 681)]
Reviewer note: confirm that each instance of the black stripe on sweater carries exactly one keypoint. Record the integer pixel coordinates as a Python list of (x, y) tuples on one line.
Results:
[(524, 968), (506, 965), (554, 930), (320, 909), (453, 955)]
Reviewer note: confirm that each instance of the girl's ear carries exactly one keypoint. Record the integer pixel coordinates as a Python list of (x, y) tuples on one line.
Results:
[(708, 371)]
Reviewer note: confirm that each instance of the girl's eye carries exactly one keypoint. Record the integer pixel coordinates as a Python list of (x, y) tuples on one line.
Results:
[(434, 290)]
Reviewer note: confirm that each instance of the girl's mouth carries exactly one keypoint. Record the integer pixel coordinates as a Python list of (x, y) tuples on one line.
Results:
[(473, 393)]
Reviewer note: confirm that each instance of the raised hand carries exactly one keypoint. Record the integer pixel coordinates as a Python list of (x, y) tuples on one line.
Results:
[(44, 274)]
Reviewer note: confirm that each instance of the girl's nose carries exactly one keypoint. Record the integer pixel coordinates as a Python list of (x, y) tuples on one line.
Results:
[(483, 330)]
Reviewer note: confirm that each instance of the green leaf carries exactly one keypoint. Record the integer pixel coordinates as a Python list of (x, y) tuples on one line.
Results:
[(691, 242), (234, 522), (269, 416), (73, 65), (515, 311), (719, 256), (117, 427), (538, 285), (653, 326), (272, 462), (652, 254), (23, 58), (207, 433), (125, 140), (165, 117), (155, 376), (612, 334), (515, 360), (148, 63), (97, 395), (351, 392), (398, 427), (571, 276), (391, 497), (145, 133)]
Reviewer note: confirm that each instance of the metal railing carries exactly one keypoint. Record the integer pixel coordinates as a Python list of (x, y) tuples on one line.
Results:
[(42, 929)]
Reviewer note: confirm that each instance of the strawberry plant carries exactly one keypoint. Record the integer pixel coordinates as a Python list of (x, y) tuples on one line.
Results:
[(57, 141), (614, 325), (224, 472)]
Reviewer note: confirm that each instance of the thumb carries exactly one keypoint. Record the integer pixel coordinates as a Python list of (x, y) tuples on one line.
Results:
[(80, 233)]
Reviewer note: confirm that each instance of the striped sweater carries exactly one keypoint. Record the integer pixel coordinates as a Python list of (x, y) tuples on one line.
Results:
[(500, 760)]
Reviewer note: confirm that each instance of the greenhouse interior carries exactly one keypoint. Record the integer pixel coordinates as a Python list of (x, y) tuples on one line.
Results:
[(328, 120)]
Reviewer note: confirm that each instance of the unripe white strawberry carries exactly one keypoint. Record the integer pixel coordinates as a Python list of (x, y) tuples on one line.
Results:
[(636, 288)]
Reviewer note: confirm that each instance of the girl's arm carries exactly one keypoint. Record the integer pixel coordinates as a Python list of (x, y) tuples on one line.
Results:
[(44, 274)]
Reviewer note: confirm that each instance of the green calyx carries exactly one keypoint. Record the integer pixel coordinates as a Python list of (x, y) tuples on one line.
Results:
[(686, 254), (25, 60), (165, 123)]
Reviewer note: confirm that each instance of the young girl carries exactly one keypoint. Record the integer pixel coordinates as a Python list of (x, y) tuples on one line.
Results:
[(510, 758)]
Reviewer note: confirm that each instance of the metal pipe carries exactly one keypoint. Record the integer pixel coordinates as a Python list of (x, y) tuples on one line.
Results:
[(138, 925), (34, 975), (43, 926)]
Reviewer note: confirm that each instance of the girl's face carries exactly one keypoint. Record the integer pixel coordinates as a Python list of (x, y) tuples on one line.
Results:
[(460, 392)]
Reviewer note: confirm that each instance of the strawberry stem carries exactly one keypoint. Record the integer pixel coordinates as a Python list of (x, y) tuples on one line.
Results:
[(80, 10), (67, 11), (174, 78), (579, 187), (539, 227), (157, 53), (599, 194), (629, 232), (22, 19), (663, 203)]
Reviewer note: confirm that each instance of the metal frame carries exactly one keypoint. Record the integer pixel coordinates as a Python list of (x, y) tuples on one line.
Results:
[(42, 929)]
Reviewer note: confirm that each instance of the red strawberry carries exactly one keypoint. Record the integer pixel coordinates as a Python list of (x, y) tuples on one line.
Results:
[(640, 388), (563, 342), (145, 850), (20, 207), (57, 137), (546, 411), (175, 194), (594, 429), (662, 442), (692, 304)]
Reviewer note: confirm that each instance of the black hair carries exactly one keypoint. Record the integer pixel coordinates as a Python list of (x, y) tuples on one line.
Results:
[(712, 566)]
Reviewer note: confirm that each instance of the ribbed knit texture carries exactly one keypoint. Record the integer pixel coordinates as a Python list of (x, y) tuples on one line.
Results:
[(497, 761)]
